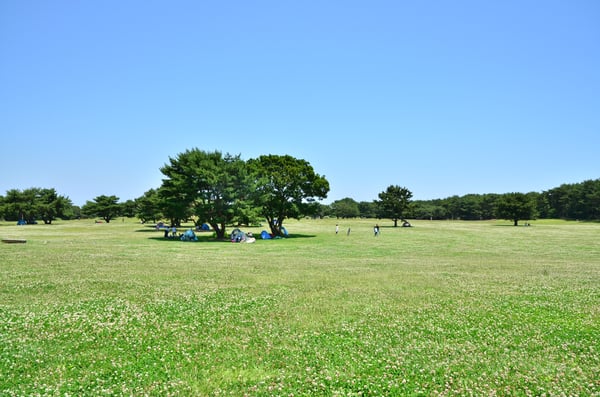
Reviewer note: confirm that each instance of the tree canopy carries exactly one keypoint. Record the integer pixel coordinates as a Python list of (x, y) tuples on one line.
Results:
[(285, 188), (35, 204), (223, 189), (394, 203), (105, 207), (515, 207), (147, 206), (211, 185)]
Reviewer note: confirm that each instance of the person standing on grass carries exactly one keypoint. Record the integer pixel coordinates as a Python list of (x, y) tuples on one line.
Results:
[(337, 229), (376, 230)]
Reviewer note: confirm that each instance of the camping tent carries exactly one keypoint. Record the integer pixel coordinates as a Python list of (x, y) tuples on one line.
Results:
[(237, 236), (189, 235)]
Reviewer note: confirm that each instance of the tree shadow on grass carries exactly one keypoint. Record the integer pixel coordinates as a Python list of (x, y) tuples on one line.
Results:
[(392, 227), (150, 229), (298, 235), (205, 238)]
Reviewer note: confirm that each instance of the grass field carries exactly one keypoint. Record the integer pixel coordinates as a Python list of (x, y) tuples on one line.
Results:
[(442, 308)]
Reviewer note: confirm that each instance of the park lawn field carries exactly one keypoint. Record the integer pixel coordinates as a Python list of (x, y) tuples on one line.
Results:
[(441, 308)]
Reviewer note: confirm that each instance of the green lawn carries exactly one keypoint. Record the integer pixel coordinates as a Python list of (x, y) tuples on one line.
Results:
[(442, 308)]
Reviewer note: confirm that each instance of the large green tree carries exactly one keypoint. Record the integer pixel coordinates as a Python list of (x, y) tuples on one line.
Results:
[(172, 204), (19, 205), (394, 203), (211, 185), (50, 205), (35, 203), (147, 206), (515, 207), (285, 188), (105, 207)]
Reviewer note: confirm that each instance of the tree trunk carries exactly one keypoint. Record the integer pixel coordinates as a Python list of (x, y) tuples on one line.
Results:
[(219, 231), (275, 229), (395, 222), (275, 226), (516, 222)]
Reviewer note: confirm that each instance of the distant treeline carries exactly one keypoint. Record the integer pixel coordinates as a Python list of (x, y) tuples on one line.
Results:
[(577, 201)]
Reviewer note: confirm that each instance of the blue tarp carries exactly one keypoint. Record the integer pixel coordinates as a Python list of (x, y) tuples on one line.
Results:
[(189, 235)]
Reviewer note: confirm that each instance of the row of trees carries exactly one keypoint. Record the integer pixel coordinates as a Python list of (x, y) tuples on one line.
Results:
[(395, 204), (580, 201), (206, 187), (221, 190), (33, 204), (179, 201)]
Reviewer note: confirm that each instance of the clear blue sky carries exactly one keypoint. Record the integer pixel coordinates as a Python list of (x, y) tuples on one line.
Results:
[(441, 97)]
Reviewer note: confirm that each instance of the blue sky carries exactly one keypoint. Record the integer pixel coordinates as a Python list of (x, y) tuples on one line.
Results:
[(441, 97)]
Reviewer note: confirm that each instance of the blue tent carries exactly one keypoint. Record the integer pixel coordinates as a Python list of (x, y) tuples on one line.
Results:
[(205, 226), (189, 235), (264, 235)]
